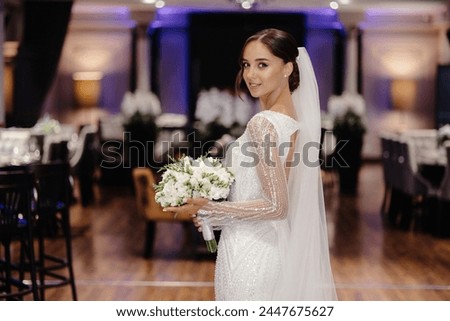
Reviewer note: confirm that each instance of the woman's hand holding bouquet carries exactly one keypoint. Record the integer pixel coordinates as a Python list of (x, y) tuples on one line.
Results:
[(187, 184)]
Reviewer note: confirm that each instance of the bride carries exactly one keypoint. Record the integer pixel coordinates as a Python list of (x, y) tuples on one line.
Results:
[(273, 244)]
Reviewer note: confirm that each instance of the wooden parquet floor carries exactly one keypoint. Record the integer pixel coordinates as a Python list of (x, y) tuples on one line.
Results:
[(370, 261)]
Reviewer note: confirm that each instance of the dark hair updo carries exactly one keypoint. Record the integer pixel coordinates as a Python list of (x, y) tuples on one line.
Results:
[(282, 45)]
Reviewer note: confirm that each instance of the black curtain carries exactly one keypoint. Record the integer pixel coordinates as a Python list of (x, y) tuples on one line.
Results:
[(216, 40), (44, 29)]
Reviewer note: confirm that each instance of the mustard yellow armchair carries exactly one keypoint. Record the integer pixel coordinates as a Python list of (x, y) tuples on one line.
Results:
[(144, 180)]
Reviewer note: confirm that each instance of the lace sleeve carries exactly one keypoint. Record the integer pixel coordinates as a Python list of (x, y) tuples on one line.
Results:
[(270, 171)]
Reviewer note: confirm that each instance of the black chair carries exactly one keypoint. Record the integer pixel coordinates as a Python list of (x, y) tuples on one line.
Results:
[(393, 170), (414, 189), (441, 222), (59, 151), (84, 163), (54, 190), (327, 166), (386, 164), (16, 199)]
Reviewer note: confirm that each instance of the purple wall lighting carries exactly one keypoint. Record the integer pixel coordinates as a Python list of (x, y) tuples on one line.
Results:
[(173, 66)]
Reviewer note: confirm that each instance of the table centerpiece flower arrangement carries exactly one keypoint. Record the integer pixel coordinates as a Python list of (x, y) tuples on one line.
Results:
[(220, 115), (348, 114), (140, 111)]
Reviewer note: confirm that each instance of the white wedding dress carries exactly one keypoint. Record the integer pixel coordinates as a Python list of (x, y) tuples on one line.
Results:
[(248, 259), (274, 243)]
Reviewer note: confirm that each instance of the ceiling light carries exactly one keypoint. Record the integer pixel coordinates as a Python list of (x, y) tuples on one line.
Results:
[(334, 5), (247, 4)]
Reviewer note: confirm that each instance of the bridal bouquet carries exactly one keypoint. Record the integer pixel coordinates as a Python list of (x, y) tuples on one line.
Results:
[(191, 178)]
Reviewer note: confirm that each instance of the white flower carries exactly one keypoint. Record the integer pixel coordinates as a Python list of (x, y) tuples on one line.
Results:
[(204, 177), (347, 111), (205, 110), (223, 107), (339, 105), (243, 110), (47, 125), (443, 134), (225, 104), (444, 131), (356, 104), (217, 193), (128, 106), (144, 102), (147, 103)]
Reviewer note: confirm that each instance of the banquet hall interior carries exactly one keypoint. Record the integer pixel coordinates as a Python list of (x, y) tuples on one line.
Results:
[(99, 95)]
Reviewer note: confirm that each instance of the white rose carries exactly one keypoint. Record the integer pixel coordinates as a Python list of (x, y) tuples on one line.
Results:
[(147, 103), (218, 193), (225, 103), (242, 110), (205, 110), (336, 106), (128, 105)]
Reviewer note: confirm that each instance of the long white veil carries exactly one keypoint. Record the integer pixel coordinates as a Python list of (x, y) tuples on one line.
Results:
[(306, 269)]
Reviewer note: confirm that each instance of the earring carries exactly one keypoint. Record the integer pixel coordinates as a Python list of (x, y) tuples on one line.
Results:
[(285, 76)]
